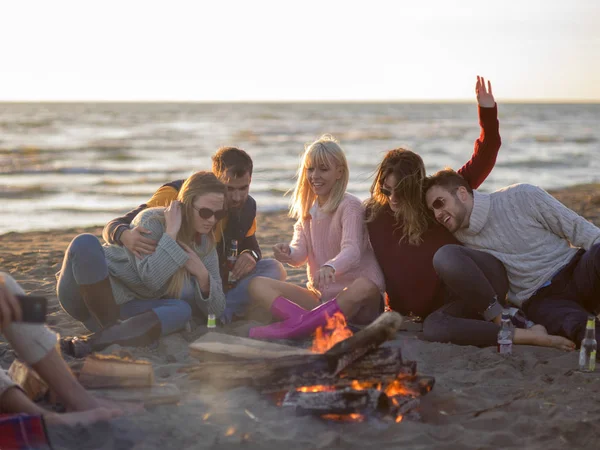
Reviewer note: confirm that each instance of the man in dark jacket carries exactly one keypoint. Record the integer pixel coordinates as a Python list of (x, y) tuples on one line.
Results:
[(233, 167)]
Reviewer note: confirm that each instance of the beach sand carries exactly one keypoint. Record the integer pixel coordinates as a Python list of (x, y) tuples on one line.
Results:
[(535, 398)]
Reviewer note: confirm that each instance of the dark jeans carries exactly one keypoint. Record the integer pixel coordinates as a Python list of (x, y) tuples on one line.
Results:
[(476, 285), (574, 295)]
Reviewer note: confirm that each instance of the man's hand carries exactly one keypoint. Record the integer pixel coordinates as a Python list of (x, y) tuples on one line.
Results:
[(135, 241), (10, 310), (282, 253), (485, 98), (244, 265), (325, 276)]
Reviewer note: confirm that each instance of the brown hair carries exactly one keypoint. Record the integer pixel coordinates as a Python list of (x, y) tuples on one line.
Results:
[(231, 161), (198, 184), (448, 179), (409, 170)]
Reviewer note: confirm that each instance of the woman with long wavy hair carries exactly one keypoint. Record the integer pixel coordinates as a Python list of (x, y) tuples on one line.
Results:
[(404, 237), (154, 295)]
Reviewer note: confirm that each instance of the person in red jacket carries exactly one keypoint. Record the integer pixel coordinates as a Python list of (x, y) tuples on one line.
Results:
[(402, 234)]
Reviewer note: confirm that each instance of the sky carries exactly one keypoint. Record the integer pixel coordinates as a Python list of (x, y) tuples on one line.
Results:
[(129, 50)]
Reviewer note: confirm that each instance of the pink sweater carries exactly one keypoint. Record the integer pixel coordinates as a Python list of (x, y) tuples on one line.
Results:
[(337, 239)]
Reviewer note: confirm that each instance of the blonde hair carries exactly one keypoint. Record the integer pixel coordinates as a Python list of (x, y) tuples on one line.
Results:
[(198, 184), (325, 151), (409, 170)]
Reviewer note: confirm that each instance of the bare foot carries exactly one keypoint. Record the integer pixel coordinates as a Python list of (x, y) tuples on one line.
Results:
[(537, 335), (81, 417)]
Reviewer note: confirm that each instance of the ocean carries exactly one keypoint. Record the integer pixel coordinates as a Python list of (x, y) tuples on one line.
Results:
[(77, 164)]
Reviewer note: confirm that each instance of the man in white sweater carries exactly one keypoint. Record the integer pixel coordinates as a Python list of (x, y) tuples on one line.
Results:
[(551, 254)]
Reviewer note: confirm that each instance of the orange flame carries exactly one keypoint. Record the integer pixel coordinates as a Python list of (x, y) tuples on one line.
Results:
[(230, 431), (333, 332), (316, 388), (344, 417), (396, 387), (399, 418)]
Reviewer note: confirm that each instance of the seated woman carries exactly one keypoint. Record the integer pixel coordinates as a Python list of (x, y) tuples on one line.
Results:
[(157, 294), (21, 420), (405, 240), (329, 235)]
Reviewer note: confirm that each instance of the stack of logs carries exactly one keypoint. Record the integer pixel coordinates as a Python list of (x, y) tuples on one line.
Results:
[(356, 376)]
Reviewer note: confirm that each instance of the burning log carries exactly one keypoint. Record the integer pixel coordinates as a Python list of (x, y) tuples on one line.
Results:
[(345, 401), (349, 350)]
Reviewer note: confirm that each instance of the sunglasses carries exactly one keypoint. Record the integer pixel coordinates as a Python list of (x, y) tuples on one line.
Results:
[(385, 191), (207, 213), (439, 203)]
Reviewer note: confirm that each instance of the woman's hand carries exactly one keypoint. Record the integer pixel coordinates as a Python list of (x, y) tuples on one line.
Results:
[(194, 264), (173, 218), (282, 253), (325, 276), (485, 98)]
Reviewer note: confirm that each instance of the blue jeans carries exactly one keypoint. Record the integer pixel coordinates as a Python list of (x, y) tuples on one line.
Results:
[(85, 263), (238, 299)]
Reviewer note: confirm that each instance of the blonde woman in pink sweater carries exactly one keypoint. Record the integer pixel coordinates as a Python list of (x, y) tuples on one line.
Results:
[(330, 236)]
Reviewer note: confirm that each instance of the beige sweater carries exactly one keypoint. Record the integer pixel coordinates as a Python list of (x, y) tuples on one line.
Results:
[(532, 233), (147, 278)]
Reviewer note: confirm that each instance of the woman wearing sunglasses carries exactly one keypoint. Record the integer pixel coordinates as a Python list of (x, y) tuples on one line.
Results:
[(157, 294), (330, 237), (404, 237)]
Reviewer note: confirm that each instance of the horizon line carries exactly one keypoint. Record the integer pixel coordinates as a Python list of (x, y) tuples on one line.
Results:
[(460, 100)]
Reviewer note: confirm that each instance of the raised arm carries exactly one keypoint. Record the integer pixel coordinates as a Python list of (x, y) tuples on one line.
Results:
[(477, 169), (298, 246)]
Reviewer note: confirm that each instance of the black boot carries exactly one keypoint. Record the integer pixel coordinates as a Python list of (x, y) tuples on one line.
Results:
[(137, 331), (99, 299)]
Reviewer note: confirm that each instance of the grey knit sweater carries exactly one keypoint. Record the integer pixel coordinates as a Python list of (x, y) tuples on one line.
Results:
[(132, 278), (532, 233)]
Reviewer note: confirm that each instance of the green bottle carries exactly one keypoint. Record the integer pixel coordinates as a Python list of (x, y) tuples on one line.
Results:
[(587, 354)]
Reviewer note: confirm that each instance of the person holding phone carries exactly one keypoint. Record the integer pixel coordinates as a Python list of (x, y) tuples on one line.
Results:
[(157, 294), (35, 344)]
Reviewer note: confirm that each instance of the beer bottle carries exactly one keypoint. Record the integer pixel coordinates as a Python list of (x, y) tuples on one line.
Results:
[(231, 259), (587, 353), (505, 335)]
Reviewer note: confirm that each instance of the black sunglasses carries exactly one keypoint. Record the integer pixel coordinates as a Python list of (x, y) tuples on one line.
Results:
[(385, 191), (207, 213), (439, 203)]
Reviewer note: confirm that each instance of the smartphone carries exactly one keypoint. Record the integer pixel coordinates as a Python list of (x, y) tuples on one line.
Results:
[(34, 308)]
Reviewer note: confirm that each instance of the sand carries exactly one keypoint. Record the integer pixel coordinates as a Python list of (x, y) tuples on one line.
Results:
[(534, 398)]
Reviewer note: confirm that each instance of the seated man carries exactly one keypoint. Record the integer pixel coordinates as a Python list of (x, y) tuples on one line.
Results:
[(551, 254), (35, 344), (234, 168)]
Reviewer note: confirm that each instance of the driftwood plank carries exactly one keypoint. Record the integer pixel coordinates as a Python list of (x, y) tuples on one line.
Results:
[(219, 346)]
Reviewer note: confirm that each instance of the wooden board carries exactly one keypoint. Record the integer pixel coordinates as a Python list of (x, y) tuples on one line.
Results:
[(159, 394), (109, 371), (28, 379), (218, 346)]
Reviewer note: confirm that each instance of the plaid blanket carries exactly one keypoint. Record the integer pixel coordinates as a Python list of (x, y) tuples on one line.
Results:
[(23, 432)]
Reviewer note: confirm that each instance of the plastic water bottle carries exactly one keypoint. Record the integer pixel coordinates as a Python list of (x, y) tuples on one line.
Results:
[(587, 353), (505, 335)]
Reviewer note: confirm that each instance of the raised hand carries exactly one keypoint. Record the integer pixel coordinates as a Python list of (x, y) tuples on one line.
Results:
[(282, 253), (173, 218), (135, 241), (485, 98)]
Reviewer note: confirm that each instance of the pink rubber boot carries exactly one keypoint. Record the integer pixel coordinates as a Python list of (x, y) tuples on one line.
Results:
[(297, 327), (284, 309)]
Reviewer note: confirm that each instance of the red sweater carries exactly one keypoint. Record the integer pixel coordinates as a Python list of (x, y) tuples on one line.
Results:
[(411, 282)]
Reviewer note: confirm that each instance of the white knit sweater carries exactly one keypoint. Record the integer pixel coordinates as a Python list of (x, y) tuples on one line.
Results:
[(532, 233)]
